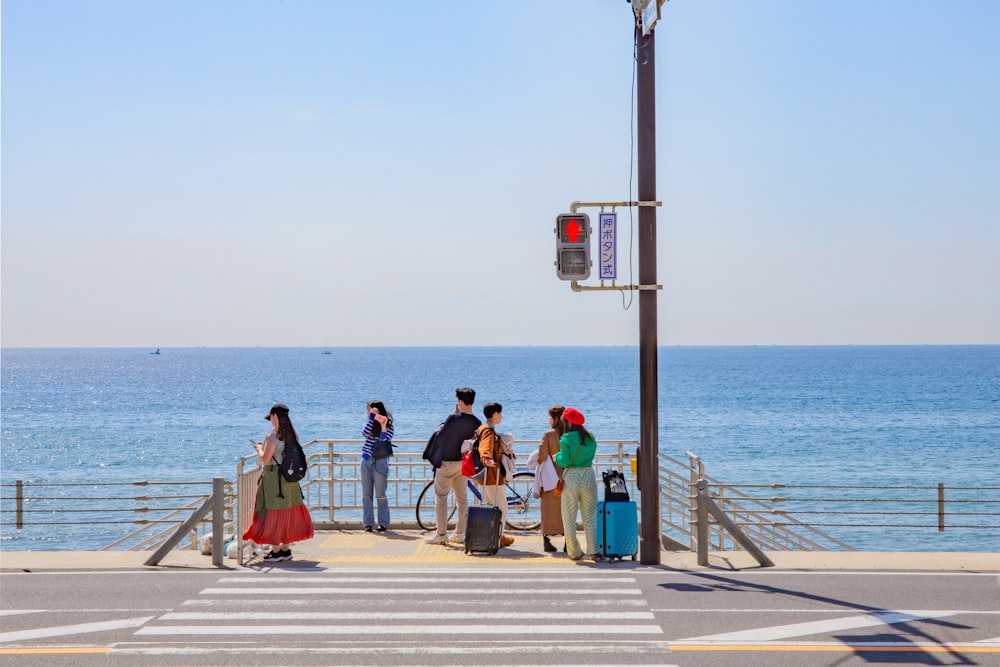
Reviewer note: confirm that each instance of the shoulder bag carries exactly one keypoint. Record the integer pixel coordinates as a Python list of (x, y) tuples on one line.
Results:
[(382, 449), (559, 485)]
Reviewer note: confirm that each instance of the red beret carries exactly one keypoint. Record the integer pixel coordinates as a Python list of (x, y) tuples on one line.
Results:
[(573, 416)]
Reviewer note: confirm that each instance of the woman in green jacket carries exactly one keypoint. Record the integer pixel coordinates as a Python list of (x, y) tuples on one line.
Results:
[(577, 447)]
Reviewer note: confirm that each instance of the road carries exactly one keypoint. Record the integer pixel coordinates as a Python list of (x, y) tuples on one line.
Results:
[(621, 614)]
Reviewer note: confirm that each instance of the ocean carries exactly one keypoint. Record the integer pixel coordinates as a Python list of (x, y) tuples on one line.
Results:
[(858, 415)]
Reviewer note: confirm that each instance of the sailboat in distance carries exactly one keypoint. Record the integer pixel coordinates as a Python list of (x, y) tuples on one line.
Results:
[(326, 350)]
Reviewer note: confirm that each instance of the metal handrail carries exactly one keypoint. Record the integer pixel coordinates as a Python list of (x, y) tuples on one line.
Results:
[(97, 506), (333, 493), (332, 488), (751, 514)]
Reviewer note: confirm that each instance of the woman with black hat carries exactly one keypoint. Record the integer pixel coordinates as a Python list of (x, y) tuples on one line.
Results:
[(577, 447), (280, 515)]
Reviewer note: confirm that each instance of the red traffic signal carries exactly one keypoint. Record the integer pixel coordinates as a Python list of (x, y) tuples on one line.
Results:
[(573, 246), (571, 231)]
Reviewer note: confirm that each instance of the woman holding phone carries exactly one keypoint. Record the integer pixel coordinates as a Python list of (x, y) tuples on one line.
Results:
[(280, 516), (375, 454)]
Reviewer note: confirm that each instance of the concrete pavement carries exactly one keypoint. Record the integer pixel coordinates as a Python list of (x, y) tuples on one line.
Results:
[(346, 549)]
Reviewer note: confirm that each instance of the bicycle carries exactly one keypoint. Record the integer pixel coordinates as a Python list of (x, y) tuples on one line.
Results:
[(523, 512)]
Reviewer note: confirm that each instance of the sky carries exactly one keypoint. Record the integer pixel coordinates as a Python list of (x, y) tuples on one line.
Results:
[(310, 173)]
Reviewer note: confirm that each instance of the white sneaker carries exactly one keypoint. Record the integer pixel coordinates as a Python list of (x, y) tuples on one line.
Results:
[(436, 539), (456, 539)]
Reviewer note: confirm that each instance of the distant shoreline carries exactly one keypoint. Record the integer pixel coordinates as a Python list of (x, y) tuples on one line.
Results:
[(818, 346)]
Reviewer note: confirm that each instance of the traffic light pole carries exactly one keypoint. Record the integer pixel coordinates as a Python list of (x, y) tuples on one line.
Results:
[(570, 266), (649, 454)]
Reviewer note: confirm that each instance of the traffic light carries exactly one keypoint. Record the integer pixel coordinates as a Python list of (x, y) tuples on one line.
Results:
[(573, 246)]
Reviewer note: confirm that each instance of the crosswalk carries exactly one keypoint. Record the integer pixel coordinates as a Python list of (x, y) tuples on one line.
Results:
[(461, 616), (455, 617)]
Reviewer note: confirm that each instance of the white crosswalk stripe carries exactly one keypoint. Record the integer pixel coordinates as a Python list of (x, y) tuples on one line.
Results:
[(341, 590), (780, 632), (405, 616), (478, 614)]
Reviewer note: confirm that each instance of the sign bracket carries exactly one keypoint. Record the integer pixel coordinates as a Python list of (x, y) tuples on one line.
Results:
[(576, 286), (595, 204)]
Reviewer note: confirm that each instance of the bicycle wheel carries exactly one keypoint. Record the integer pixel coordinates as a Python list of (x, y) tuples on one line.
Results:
[(426, 515), (523, 512)]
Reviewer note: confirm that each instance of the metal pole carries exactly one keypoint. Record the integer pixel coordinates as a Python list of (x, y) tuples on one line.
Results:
[(218, 519), (178, 536), (649, 533), (700, 534), (705, 502), (940, 507), (19, 505)]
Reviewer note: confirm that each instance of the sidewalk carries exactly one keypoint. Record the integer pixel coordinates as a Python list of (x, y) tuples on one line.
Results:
[(353, 549)]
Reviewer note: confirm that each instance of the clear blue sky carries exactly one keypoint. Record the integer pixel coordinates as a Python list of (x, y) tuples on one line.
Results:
[(388, 173)]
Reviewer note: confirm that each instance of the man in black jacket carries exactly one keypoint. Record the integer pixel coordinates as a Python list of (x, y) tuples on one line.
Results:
[(444, 451)]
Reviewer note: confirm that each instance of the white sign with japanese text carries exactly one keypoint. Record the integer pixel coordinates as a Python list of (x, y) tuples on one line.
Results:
[(607, 242)]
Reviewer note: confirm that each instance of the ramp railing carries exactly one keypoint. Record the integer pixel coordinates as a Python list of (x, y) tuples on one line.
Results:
[(678, 482)]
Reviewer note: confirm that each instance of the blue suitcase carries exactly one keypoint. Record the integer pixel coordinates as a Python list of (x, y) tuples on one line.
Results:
[(617, 530)]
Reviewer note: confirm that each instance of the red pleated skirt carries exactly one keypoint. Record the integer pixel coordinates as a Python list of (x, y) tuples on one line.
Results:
[(282, 526)]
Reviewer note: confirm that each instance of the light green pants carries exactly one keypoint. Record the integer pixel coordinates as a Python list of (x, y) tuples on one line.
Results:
[(580, 495)]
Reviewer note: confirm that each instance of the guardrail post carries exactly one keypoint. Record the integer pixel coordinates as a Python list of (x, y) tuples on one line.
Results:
[(178, 535), (696, 472), (19, 514), (941, 507), (705, 501), (218, 519), (701, 527)]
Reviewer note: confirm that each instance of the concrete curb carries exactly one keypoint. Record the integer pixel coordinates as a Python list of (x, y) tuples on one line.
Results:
[(355, 549)]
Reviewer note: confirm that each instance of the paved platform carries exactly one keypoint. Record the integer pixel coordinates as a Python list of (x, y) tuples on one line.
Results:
[(350, 549)]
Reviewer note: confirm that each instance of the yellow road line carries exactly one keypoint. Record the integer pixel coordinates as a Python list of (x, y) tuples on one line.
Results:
[(858, 648), (55, 650)]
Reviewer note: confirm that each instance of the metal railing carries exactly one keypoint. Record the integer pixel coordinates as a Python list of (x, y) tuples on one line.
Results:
[(794, 520), (753, 516), (797, 519), (213, 506), (94, 504), (928, 506), (332, 489)]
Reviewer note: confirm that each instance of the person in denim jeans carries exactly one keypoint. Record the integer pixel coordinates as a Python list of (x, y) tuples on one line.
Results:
[(375, 467)]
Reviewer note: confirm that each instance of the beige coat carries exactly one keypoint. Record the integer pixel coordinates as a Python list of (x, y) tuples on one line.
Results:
[(551, 504)]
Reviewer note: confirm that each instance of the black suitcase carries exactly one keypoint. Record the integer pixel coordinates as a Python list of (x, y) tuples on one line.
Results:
[(482, 529)]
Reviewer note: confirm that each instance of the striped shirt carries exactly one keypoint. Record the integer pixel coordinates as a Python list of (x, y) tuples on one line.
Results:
[(370, 439)]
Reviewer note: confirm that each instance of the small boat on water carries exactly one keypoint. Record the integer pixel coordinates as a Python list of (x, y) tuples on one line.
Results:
[(157, 351)]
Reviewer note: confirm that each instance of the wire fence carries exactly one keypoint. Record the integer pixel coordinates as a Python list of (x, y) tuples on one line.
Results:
[(108, 509), (845, 505), (776, 516)]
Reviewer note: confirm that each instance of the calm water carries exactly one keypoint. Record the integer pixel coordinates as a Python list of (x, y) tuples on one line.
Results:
[(803, 415)]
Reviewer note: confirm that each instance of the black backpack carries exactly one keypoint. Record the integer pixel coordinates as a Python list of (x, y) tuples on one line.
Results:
[(293, 462)]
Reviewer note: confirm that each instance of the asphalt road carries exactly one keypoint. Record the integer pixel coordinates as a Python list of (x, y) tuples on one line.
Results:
[(627, 614)]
